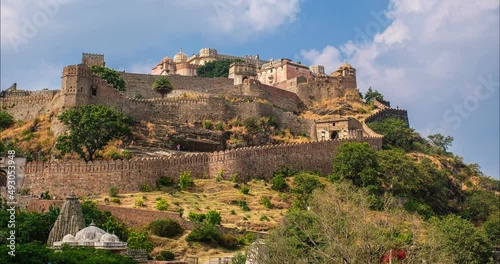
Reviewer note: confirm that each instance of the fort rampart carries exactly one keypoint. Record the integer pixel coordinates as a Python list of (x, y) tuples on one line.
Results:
[(60, 178)]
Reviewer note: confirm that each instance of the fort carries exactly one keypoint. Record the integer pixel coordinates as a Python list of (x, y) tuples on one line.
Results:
[(281, 89)]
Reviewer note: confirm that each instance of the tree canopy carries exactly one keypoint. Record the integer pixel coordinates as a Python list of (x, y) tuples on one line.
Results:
[(396, 133), (162, 86), (219, 68), (372, 94), (111, 76), (441, 142), (91, 127)]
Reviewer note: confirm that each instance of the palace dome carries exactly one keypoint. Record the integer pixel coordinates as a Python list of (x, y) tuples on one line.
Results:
[(91, 233), (180, 57), (346, 65), (68, 238), (109, 238), (166, 59)]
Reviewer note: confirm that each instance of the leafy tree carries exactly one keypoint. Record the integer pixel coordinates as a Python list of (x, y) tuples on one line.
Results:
[(185, 180), (396, 133), (479, 205), (399, 172), (305, 184), (91, 128), (441, 142), (492, 228), (162, 86), (356, 162), (336, 230), (213, 69), (458, 241), (5, 120), (204, 232), (111, 76), (372, 94)]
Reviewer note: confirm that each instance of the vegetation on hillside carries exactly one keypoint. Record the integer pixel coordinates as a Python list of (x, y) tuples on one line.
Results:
[(6, 120), (91, 127), (212, 69), (111, 76)]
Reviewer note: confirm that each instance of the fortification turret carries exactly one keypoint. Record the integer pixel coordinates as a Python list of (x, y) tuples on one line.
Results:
[(91, 59), (242, 72), (76, 85)]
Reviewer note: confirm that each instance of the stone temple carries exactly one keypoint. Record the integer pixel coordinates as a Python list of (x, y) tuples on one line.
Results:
[(70, 229)]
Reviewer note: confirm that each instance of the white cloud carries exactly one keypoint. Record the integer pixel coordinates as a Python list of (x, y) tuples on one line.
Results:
[(329, 57)]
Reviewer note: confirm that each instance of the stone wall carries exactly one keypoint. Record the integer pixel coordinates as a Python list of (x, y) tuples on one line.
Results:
[(386, 113), (60, 178)]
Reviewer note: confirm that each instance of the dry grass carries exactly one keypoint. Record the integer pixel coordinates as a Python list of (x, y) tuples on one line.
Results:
[(32, 136)]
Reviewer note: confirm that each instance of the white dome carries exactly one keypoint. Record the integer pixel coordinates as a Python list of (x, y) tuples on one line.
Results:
[(68, 238), (91, 233), (180, 57), (109, 238)]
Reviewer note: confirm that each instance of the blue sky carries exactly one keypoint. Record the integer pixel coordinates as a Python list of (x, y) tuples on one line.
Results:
[(438, 59)]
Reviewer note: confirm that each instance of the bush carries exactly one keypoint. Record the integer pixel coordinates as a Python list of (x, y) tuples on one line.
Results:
[(239, 258), (116, 200), (164, 181), (6, 120), (228, 241), (243, 205), (165, 255), (195, 217), (139, 240), (207, 124), (264, 200), (264, 218), (279, 183), (166, 228), (161, 205), (244, 190), (139, 202), (185, 180), (146, 187), (219, 126), (113, 191), (203, 232), (213, 217)]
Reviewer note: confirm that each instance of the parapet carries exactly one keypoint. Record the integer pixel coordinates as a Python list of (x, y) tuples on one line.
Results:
[(91, 59)]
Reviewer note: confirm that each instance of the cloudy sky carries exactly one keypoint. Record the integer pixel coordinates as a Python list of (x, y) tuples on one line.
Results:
[(437, 58)]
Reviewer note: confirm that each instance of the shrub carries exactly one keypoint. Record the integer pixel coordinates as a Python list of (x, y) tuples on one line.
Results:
[(239, 258), (244, 190), (166, 228), (243, 205), (185, 180), (139, 240), (127, 154), (234, 176), (6, 120), (228, 241), (165, 255), (204, 232), (220, 176), (139, 202), (146, 187), (279, 183), (264, 200), (113, 191), (264, 218), (195, 217), (162, 205), (219, 126), (116, 200), (164, 181), (213, 217), (207, 124)]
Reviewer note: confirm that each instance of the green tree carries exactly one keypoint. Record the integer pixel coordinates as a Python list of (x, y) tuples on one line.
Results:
[(396, 133), (305, 184), (219, 68), (166, 228), (441, 142), (400, 174), (91, 127), (457, 241), (140, 240), (356, 162), (111, 76), (213, 217), (372, 94), (479, 205), (5, 120), (162, 86)]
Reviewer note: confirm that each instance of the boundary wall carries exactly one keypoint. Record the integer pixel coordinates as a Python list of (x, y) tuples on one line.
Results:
[(60, 178)]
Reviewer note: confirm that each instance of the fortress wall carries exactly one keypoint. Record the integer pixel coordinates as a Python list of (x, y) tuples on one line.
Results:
[(283, 99), (142, 83), (60, 178), (386, 113)]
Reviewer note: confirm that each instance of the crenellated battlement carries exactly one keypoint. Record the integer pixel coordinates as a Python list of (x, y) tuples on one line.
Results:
[(259, 162)]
